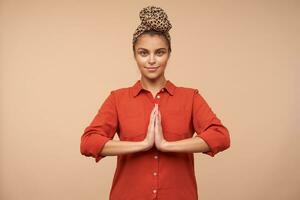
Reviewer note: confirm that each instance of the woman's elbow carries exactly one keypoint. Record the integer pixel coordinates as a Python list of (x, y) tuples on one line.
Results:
[(83, 148), (226, 140)]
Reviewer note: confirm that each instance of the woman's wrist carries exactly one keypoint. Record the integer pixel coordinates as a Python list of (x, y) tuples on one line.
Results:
[(145, 146)]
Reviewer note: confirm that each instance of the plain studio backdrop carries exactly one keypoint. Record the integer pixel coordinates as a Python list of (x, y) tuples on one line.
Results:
[(60, 59)]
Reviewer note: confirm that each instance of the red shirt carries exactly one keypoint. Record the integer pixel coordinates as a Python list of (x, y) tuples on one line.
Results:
[(153, 174)]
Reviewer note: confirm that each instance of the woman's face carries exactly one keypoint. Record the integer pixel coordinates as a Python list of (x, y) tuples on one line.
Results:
[(151, 55)]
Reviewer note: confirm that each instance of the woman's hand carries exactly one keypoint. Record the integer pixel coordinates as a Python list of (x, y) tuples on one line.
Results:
[(160, 141), (149, 140)]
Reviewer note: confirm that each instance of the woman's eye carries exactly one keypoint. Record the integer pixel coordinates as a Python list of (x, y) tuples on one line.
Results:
[(143, 53), (161, 53)]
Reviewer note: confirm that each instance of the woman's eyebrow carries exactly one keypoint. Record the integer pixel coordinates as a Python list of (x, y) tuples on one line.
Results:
[(155, 50)]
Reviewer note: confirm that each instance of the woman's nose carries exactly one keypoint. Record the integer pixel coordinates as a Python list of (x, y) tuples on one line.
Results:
[(152, 59)]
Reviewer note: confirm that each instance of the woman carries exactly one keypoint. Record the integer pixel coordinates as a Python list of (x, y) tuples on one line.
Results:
[(155, 121)]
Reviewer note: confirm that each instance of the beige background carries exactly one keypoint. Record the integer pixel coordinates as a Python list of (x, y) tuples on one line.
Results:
[(60, 59)]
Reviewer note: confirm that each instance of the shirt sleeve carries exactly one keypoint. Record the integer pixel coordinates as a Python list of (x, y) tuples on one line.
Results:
[(101, 129), (208, 126)]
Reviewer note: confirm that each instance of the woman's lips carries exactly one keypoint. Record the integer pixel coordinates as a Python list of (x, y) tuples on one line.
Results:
[(152, 69)]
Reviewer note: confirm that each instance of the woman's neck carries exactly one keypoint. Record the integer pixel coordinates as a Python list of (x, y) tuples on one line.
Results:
[(153, 85)]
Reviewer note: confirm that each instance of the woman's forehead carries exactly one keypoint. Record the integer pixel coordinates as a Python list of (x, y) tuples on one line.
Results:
[(151, 42)]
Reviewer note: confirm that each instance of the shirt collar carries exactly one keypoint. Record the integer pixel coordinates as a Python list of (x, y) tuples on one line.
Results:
[(137, 87)]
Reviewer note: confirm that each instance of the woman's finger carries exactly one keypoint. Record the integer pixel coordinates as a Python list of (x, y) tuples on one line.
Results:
[(152, 116), (159, 116)]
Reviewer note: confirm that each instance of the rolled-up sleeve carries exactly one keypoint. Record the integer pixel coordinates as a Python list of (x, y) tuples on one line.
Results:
[(101, 129), (208, 126)]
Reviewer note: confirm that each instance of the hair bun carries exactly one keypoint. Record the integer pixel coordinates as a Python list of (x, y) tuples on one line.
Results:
[(155, 18)]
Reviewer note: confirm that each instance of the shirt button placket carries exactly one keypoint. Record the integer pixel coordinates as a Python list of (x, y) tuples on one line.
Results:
[(156, 100), (155, 173), (158, 96)]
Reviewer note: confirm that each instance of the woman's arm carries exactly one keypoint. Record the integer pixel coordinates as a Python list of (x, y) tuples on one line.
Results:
[(185, 145), (195, 144), (97, 139), (212, 136), (116, 147)]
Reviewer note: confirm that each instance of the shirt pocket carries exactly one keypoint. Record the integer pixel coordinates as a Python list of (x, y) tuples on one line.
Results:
[(176, 123), (131, 125)]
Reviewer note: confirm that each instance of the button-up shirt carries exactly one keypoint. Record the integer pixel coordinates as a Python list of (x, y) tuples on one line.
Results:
[(154, 174)]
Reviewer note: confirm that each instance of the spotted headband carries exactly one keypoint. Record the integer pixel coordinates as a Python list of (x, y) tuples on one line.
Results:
[(153, 18)]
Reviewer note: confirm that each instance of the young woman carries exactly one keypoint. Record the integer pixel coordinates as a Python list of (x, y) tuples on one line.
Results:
[(155, 121)]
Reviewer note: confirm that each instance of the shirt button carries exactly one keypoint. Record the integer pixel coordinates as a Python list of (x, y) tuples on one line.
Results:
[(154, 173), (154, 191), (158, 96), (155, 157)]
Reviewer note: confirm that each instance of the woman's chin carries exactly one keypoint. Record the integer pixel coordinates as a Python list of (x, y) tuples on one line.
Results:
[(152, 75)]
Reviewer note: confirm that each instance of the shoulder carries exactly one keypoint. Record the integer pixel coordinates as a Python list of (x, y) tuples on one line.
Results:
[(121, 91), (190, 93), (186, 90)]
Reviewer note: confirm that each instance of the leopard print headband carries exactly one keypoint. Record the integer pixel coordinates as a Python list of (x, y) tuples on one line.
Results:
[(153, 17)]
